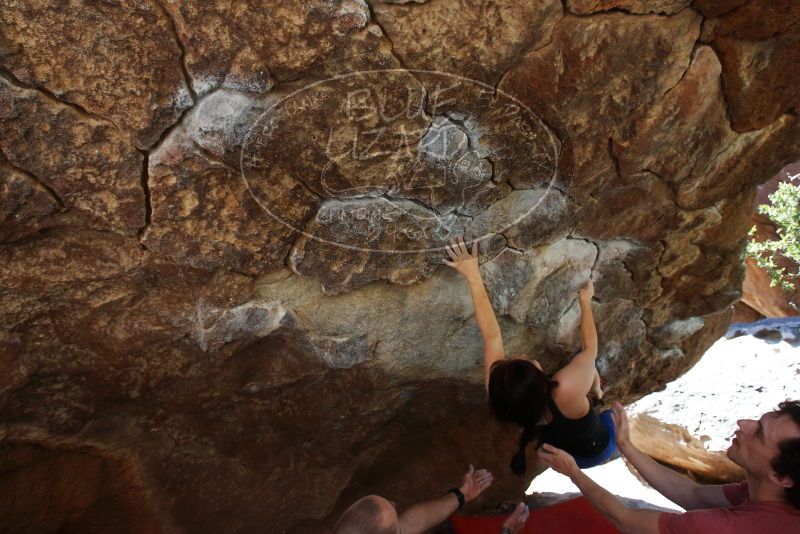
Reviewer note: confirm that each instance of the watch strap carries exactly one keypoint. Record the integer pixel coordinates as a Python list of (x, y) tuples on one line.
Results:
[(459, 496)]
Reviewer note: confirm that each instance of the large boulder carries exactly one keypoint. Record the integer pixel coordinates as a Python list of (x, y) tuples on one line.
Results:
[(222, 294), (759, 292)]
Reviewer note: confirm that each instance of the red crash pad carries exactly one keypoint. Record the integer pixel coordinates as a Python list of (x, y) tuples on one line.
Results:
[(574, 516)]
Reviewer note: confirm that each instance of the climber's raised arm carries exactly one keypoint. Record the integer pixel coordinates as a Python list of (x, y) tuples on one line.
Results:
[(575, 379), (466, 263)]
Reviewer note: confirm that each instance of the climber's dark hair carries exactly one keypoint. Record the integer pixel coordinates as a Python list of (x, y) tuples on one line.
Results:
[(787, 463), (519, 392)]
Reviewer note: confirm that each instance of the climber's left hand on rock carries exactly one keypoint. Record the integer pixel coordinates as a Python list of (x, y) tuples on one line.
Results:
[(463, 261)]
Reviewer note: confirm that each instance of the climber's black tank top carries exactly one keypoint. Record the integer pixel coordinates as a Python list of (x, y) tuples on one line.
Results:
[(585, 437)]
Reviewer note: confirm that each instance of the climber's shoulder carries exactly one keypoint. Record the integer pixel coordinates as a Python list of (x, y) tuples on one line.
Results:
[(571, 400)]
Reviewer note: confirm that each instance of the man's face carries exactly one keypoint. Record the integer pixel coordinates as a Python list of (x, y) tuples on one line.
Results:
[(755, 443)]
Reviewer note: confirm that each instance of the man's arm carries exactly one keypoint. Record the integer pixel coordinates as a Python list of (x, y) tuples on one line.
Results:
[(674, 486), (466, 263), (625, 519), (425, 515)]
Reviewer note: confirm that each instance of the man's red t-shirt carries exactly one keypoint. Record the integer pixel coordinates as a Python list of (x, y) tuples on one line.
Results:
[(742, 517)]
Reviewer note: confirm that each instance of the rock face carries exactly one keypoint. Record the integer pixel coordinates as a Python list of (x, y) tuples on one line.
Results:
[(757, 290), (222, 234), (89, 57), (674, 446)]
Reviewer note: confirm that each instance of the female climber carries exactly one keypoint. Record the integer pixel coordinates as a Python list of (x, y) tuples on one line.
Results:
[(550, 409)]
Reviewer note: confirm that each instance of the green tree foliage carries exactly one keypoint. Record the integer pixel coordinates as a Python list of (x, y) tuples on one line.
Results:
[(784, 211)]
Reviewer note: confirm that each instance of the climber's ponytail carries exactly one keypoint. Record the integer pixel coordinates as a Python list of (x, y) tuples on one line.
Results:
[(519, 463), (519, 392)]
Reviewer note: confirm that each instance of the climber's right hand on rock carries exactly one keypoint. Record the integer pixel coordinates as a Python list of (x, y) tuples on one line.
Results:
[(516, 521), (622, 426), (461, 259), (587, 292)]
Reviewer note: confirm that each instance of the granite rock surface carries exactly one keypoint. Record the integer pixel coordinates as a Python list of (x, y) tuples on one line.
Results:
[(222, 295)]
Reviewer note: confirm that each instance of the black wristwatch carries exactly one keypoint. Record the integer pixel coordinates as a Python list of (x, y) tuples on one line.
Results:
[(459, 496)]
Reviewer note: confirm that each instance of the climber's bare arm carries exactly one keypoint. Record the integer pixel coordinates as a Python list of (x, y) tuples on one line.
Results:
[(466, 263), (576, 378)]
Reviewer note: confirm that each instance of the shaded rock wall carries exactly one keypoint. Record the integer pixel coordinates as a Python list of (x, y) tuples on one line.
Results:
[(222, 229)]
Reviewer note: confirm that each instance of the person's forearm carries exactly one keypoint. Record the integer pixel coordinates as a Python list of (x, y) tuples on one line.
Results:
[(606, 502), (670, 484), (484, 314), (626, 520), (588, 328), (424, 516)]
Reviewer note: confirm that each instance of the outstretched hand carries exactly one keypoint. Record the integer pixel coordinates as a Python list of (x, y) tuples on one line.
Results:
[(475, 482), (462, 260), (516, 521), (558, 460)]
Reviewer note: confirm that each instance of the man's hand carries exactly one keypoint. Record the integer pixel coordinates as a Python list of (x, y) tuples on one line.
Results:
[(587, 292), (421, 517), (475, 482), (621, 424), (516, 521), (463, 261), (560, 461)]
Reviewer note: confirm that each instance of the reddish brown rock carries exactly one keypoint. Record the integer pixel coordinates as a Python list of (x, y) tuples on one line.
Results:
[(742, 313), (700, 266), (772, 147), (418, 175), (204, 216), (637, 206), (768, 300), (627, 269), (758, 290), (245, 46), (758, 44), (131, 334), (687, 141), (100, 294), (666, 7), (674, 446), (119, 60), (598, 95), (14, 373), (24, 204), (95, 171), (478, 40), (528, 218), (221, 121), (681, 135), (351, 243), (714, 8), (87, 489)]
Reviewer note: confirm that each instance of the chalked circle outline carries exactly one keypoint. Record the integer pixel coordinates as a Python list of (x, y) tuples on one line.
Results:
[(555, 141)]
